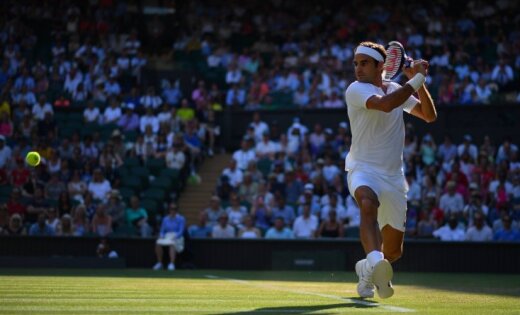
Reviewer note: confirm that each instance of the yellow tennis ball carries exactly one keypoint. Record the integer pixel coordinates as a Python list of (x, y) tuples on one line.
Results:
[(33, 158)]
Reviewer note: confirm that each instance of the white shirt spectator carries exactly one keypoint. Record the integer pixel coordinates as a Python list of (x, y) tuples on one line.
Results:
[(451, 204), (233, 76), (260, 128), (482, 235), (330, 171), (149, 120), (502, 74), (235, 97), (111, 115), (72, 80), (112, 87), (305, 227), (445, 233), (99, 190), (472, 150), (91, 115), (235, 176), (353, 212), (243, 158), (266, 148), (220, 232), (153, 101), (39, 111), (175, 160)]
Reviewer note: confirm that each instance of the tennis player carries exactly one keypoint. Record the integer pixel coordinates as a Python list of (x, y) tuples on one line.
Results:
[(375, 161)]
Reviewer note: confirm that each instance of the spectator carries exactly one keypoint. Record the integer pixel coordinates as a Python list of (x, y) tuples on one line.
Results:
[(234, 174), (129, 121), (279, 230), (426, 224), (102, 221), (6, 126), (15, 205), (214, 211), (450, 231), (201, 229), (52, 219), (284, 211), (452, 202), (261, 213), (467, 146), (91, 114), (171, 234), (113, 113), (480, 232), (244, 155), (150, 100), (223, 229), (77, 187), (305, 225), (16, 226), (5, 153), (149, 119), (41, 228), (249, 230), (506, 233), (115, 208), (137, 217), (331, 227), (99, 187), (236, 212)]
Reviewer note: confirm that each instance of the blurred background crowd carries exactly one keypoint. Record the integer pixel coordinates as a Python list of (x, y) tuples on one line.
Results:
[(82, 84)]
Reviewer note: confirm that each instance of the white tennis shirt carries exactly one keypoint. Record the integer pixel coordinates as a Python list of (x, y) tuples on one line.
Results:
[(377, 137)]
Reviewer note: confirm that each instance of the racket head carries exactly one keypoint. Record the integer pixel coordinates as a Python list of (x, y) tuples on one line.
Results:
[(395, 60)]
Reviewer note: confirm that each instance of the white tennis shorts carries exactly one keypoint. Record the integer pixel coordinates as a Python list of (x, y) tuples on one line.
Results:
[(391, 192)]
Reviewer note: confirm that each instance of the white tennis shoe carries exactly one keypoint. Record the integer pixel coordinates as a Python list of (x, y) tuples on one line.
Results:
[(157, 266), (171, 267), (382, 274), (365, 287)]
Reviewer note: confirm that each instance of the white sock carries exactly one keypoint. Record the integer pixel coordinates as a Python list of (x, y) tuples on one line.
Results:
[(374, 257)]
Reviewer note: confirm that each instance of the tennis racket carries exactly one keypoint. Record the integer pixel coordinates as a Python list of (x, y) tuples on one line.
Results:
[(396, 58)]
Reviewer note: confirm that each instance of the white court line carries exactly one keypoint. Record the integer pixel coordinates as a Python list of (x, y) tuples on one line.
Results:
[(334, 297)]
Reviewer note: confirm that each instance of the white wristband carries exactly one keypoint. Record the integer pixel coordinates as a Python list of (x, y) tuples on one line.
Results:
[(417, 81)]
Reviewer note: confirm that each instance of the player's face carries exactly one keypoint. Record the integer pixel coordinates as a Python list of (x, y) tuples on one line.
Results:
[(366, 69)]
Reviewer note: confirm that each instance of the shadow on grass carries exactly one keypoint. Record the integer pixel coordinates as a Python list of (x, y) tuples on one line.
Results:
[(300, 309), (493, 284)]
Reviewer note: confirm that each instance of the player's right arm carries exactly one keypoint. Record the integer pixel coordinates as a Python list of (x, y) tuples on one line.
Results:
[(390, 101), (395, 99)]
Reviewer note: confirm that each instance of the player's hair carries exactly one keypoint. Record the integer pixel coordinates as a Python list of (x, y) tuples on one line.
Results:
[(380, 49)]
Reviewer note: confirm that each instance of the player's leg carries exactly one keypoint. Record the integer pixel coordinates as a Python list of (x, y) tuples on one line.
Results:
[(368, 227), (370, 239), (392, 243), (392, 217), (159, 256)]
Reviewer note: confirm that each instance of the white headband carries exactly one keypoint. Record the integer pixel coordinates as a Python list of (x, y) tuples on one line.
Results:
[(369, 52)]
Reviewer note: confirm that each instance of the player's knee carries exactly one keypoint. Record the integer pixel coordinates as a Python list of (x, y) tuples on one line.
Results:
[(368, 206), (393, 254)]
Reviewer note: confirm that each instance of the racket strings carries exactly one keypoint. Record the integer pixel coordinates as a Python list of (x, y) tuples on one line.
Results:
[(392, 62)]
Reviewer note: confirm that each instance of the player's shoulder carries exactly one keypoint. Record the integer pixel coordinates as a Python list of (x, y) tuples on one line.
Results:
[(356, 85)]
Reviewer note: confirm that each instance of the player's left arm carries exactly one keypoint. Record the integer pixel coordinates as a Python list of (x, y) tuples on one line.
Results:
[(425, 108)]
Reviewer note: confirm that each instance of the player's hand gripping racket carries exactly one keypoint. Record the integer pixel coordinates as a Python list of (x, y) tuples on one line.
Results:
[(396, 58)]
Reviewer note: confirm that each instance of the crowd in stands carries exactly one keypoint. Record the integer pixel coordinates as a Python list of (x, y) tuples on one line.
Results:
[(72, 88), (294, 54), (291, 184)]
